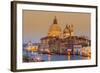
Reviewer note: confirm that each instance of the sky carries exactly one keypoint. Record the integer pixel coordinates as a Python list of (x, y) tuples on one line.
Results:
[(36, 23)]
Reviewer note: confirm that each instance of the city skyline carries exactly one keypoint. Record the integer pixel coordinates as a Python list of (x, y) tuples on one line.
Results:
[(37, 23)]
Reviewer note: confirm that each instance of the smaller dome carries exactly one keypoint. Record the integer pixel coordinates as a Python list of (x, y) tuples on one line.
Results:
[(66, 29)]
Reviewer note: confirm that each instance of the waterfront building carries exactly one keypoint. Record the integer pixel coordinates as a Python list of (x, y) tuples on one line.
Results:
[(61, 41), (32, 47)]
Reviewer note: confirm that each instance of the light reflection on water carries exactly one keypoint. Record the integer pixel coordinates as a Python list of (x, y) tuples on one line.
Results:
[(54, 57)]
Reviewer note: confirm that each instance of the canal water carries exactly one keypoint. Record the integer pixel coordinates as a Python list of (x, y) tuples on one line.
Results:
[(53, 57)]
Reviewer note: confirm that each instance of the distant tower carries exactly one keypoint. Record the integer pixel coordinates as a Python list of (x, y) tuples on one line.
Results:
[(68, 31), (54, 30)]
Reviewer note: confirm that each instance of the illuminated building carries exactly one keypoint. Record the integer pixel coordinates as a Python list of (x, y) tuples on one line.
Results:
[(54, 30), (32, 47), (54, 43)]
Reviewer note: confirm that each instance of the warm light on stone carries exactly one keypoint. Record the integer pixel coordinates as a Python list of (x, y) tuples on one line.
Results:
[(54, 30)]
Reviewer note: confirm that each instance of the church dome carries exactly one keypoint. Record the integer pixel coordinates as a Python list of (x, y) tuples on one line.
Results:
[(68, 31), (54, 29)]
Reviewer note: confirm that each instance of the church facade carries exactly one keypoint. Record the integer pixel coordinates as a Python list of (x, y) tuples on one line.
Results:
[(61, 41)]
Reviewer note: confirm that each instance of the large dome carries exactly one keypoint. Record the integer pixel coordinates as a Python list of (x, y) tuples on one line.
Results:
[(54, 29)]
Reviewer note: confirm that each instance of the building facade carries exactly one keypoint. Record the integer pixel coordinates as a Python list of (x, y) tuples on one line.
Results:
[(60, 41)]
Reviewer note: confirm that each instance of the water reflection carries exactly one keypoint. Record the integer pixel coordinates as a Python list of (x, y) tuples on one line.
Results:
[(69, 57), (37, 57), (49, 57)]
